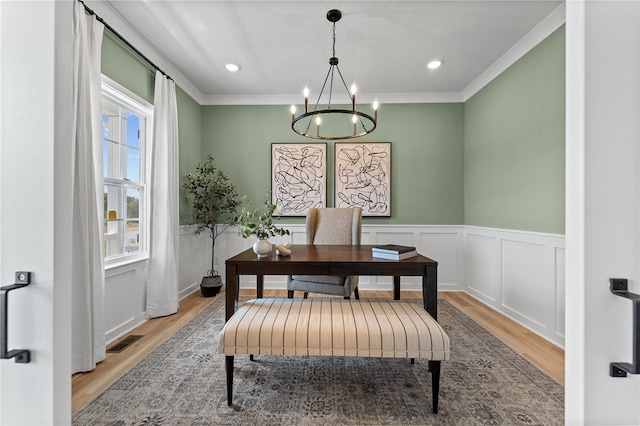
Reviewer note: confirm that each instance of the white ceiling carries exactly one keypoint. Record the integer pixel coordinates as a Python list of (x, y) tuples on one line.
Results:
[(283, 46)]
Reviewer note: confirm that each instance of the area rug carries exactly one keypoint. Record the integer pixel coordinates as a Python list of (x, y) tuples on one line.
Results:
[(182, 382)]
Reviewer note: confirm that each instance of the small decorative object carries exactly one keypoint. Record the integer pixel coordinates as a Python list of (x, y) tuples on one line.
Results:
[(262, 248), (214, 203), (363, 177), (283, 249), (113, 215), (260, 224)]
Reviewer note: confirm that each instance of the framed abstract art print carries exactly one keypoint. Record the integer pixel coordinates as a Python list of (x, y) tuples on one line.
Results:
[(363, 177), (298, 177)]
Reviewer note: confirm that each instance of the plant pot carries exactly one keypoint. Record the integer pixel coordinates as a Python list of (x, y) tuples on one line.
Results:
[(262, 248), (211, 285)]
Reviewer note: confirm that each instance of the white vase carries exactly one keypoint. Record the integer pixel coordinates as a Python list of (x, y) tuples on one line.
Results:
[(262, 248)]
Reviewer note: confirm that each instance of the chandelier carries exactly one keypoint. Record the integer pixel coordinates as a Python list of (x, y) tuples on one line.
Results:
[(331, 123)]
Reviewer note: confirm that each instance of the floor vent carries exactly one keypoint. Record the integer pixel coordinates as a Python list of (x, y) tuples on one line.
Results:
[(124, 343)]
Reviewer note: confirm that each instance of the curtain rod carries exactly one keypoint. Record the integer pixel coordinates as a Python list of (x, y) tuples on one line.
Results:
[(124, 40)]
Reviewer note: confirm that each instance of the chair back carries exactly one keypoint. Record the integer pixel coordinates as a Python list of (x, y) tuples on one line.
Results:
[(334, 225)]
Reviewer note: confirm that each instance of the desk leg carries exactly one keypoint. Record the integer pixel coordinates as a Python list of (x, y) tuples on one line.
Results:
[(430, 291), (231, 292), (396, 288), (259, 286)]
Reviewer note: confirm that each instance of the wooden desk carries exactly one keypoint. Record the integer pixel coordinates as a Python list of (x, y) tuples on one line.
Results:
[(330, 260)]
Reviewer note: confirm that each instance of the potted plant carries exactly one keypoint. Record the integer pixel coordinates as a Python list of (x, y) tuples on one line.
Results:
[(259, 223), (214, 203)]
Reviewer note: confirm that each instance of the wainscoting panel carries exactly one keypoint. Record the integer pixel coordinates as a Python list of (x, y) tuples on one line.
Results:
[(526, 287), (519, 274), (560, 288), (447, 249), (124, 298), (482, 259), (194, 259)]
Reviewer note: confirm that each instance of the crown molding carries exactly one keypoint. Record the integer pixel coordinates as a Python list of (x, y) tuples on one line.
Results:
[(541, 31), (363, 99)]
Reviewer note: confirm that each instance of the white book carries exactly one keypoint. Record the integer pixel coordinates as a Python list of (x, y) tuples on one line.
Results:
[(395, 256)]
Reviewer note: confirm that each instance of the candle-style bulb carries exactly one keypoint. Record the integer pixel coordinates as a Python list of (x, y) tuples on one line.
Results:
[(318, 121), (353, 96), (375, 105), (293, 110), (354, 118), (305, 92)]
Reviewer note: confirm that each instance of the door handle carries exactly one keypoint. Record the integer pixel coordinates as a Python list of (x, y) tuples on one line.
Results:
[(22, 356), (619, 287)]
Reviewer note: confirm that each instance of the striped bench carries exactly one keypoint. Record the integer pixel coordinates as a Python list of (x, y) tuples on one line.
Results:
[(334, 327)]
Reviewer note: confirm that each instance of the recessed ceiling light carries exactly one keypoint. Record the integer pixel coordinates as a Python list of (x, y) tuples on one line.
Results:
[(436, 63), (232, 67)]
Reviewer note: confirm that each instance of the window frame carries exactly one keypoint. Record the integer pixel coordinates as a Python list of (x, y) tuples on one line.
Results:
[(124, 98)]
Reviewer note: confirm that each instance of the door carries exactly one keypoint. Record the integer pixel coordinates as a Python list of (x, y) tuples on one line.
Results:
[(35, 110), (603, 207)]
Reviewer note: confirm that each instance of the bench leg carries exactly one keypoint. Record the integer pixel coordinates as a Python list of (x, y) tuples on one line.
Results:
[(229, 367), (289, 294), (434, 367)]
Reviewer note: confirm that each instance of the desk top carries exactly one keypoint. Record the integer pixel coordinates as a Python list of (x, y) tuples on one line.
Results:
[(325, 253), (329, 260)]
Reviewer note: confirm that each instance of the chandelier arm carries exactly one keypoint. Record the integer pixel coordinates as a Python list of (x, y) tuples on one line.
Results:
[(331, 85), (329, 73), (343, 82)]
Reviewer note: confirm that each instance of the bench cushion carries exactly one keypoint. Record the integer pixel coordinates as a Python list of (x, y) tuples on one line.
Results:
[(334, 327)]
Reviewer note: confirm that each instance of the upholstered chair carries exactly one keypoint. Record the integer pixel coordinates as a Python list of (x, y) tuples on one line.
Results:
[(329, 226)]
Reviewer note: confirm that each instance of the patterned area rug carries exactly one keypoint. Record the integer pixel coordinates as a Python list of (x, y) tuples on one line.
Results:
[(183, 383)]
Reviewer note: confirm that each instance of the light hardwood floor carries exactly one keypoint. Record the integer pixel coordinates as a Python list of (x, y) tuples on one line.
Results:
[(86, 386)]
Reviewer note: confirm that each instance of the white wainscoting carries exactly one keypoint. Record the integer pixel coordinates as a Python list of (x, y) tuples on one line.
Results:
[(125, 285), (124, 298), (520, 274)]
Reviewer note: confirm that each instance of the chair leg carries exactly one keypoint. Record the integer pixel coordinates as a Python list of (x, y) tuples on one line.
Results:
[(290, 294), (435, 383), (305, 295), (356, 294), (229, 367)]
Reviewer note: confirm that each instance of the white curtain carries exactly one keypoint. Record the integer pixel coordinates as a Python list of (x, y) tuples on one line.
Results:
[(87, 259), (162, 278)]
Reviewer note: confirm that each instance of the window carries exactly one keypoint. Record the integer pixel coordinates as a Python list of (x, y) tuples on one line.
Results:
[(126, 125)]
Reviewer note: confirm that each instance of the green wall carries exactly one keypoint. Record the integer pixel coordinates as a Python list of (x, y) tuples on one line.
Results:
[(514, 144), (496, 161), (427, 148), (123, 65)]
